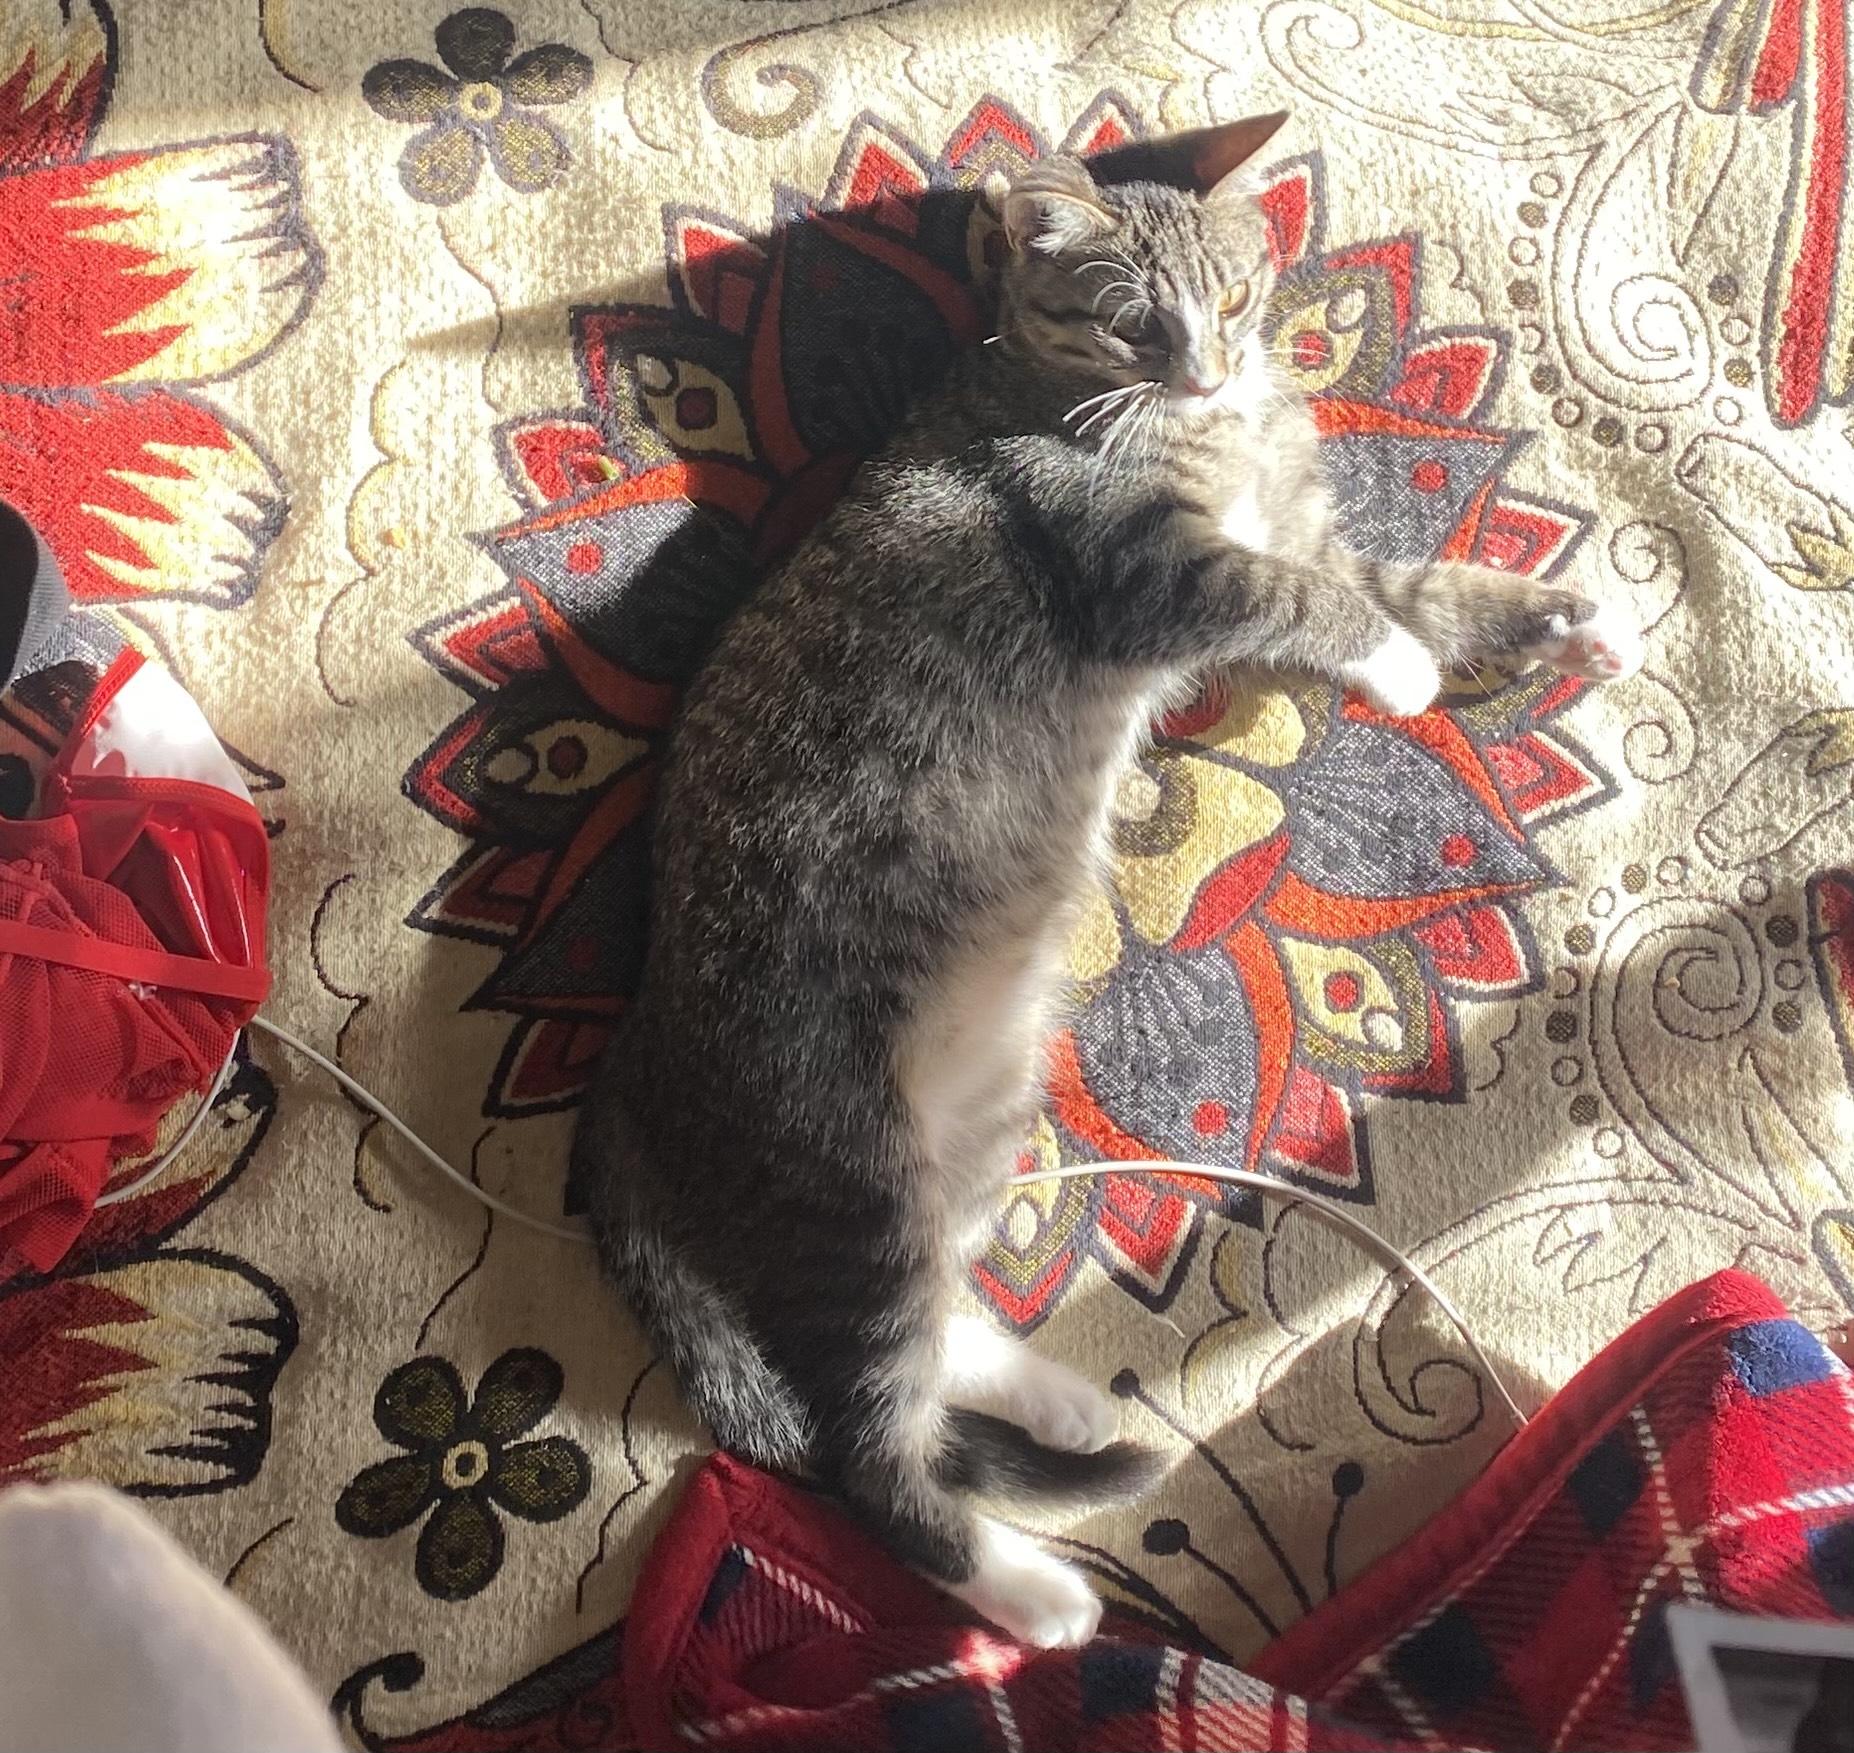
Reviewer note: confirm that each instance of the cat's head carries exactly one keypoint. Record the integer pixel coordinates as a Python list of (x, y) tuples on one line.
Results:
[(1150, 264)]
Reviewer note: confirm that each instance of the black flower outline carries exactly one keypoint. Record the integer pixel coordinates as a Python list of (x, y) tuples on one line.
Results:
[(461, 1459), (478, 106)]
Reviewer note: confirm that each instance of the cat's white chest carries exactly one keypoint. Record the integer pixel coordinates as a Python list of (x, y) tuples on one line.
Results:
[(1273, 498), (1244, 524), (1245, 520)]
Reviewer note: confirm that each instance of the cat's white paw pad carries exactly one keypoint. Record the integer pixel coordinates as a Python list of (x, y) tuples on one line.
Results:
[(1055, 1610), (1039, 1600), (1399, 678), (1603, 649), (1061, 1410)]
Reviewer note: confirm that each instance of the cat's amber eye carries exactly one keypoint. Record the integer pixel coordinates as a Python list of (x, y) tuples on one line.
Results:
[(1234, 301)]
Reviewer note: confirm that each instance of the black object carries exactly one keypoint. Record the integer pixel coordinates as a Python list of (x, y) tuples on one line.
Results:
[(33, 598)]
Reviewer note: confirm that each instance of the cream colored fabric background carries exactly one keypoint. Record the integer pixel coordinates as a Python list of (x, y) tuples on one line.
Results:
[(1576, 201)]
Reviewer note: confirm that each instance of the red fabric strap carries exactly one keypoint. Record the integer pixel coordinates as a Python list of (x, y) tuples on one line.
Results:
[(71, 949)]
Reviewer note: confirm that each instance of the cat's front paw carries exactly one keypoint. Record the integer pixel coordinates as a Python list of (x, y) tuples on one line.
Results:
[(1603, 648), (1400, 678)]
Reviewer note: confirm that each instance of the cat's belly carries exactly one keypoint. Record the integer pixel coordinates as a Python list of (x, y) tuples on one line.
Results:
[(970, 1065)]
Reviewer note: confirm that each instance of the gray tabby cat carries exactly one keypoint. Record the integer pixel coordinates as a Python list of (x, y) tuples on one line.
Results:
[(886, 799)]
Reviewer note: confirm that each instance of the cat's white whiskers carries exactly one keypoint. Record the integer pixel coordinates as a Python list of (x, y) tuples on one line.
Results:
[(1091, 401), (1137, 304), (1113, 286), (1110, 407), (1120, 444), (1128, 417), (1119, 389), (1144, 421), (1099, 403)]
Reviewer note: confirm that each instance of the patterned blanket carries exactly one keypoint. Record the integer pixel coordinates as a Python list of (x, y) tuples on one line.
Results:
[(422, 383)]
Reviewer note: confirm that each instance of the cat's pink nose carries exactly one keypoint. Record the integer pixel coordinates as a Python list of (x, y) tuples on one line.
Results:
[(1197, 386)]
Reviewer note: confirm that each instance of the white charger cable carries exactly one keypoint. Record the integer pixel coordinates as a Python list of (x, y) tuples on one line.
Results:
[(369, 1100), (1328, 1208), (195, 1121)]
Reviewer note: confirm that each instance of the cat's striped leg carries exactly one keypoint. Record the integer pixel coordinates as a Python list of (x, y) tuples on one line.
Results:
[(1461, 613)]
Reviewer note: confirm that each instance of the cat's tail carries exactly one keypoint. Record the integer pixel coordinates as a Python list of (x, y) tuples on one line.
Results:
[(911, 1473), (723, 1375), (991, 1457)]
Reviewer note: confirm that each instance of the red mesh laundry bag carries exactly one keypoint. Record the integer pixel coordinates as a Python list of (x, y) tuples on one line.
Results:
[(131, 949)]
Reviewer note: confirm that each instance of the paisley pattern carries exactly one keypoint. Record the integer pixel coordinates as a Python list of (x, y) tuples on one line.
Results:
[(427, 396)]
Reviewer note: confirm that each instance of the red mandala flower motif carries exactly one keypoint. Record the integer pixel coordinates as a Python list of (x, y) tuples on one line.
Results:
[(1306, 893), (719, 430), (125, 281), (1303, 893)]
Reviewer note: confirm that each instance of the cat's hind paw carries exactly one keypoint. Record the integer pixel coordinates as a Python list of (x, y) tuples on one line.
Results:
[(1605, 648), (1400, 678), (990, 1373), (1059, 1408), (1038, 1599)]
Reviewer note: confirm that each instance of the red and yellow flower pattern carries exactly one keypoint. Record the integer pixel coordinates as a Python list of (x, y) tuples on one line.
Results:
[(129, 280)]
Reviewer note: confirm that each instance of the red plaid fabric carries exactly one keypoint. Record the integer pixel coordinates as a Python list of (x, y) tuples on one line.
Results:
[(1707, 1455), (775, 1624)]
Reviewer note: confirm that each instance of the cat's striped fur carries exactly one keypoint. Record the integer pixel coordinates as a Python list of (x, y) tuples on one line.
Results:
[(885, 800)]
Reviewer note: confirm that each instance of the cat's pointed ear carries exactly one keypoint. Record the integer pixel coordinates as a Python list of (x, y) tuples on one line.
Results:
[(1223, 151), (1201, 160), (1054, 206)]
